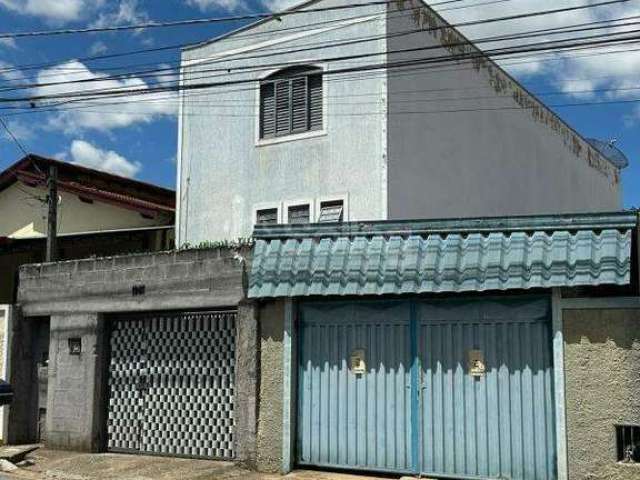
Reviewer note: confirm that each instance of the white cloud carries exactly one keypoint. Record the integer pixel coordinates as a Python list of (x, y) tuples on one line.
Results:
[(56, 11), (104, 113), (98, 48), (20, 130), (88, 155), (279, 5), (10, 73), (571, 73), (126, 13), (207, 5), (8, 43)]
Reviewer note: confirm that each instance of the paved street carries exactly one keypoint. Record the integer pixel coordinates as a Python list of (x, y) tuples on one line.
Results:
[(59, 465)]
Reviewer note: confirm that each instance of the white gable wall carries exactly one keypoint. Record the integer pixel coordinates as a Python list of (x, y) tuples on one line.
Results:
[(225, 173), (479, 161)]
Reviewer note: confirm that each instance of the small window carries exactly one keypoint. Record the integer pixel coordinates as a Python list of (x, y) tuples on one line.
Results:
[(298, 214), (628, 443), (267, 216), (291, 102), (331, 212)]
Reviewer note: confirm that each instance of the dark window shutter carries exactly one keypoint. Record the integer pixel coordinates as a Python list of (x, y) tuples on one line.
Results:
[(299, 104), (291, 102), (268, 216), (283, 107), (299, 214), (315, 102), (267, 111)]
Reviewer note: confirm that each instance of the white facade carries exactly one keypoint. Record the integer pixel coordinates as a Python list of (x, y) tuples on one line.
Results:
[(391, 146)]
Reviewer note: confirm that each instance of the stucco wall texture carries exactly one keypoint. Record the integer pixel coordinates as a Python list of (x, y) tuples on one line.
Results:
[(271, 387), (602, 368)]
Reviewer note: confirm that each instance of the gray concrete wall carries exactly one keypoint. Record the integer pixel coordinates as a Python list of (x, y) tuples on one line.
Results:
[(452, 154), (172, 280), (77, 294), (602, 371), (76, 384), (224, 172), (271, 386)]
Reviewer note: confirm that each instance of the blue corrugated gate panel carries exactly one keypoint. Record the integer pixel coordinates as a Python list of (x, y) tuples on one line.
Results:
[(500, 424), (418, 408), (345, 419)]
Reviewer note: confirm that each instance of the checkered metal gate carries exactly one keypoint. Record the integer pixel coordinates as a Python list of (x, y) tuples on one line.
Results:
[(171, 384)]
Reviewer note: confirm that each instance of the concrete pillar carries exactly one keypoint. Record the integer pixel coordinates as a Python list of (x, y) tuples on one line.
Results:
[(246, 384), (22, 417), (77, 386)]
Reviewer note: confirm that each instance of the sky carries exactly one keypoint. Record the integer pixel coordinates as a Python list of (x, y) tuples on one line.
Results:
[(139, 140)]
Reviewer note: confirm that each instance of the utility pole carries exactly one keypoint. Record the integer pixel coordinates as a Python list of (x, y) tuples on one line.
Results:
[(52, 218)]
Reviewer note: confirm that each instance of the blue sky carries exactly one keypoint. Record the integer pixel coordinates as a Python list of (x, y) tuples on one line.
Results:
[(141, 141)]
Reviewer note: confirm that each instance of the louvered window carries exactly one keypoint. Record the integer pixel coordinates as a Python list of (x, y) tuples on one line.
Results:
[(291, 102), (267, 216), (299, 214)]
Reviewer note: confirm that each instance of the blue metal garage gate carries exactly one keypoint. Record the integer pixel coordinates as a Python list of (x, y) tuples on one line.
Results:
[(460, 388)]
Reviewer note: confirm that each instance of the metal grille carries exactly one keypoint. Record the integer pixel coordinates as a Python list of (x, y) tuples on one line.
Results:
[(172, 385), (628, 443)]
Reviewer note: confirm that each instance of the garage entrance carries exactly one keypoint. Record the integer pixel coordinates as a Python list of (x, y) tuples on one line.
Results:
[(171, 384), (447, 387)]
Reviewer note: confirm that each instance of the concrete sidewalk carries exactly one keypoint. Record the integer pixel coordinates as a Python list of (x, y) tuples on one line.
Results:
[(59, 465)]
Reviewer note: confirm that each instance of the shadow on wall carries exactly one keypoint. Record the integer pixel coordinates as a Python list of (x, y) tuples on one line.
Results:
[(509, 338), (615, 326)]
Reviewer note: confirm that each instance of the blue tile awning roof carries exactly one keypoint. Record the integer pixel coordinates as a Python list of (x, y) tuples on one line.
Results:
[(442, 256)]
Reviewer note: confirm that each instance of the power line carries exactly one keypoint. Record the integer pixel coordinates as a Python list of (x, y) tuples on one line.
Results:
[(236, 36), (511, 37), (201, 21), (130, 99), (13, 137), (540, 46)]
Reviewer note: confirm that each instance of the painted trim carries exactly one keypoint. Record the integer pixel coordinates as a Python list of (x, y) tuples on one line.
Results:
[(559, 384), (179, 157), (277, 41), (262, 142), (288, 387)]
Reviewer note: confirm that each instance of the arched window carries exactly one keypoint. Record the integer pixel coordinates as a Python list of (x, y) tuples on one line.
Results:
[(291, 102)]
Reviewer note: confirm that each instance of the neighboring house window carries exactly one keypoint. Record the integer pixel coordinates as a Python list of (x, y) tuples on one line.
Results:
[(331, 212), (267, 216), (298, 214), (291, 102)]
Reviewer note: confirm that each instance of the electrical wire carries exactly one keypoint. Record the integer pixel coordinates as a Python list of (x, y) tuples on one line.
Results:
[(13, 137), (157, 71)]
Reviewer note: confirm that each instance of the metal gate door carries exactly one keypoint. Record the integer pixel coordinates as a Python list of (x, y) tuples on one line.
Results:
[(171, 379), (487, 389), (457, 388), (350, 419)]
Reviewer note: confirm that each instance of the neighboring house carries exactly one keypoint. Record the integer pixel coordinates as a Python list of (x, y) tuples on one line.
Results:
[(98, 214), (307, 139)]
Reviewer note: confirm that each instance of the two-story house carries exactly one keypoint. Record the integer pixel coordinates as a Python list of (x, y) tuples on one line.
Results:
[(370, 113)]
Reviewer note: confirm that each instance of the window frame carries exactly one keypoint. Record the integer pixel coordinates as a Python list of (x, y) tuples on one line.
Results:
[(267, 206), (298, 203), (341, 197), (259, 141)]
